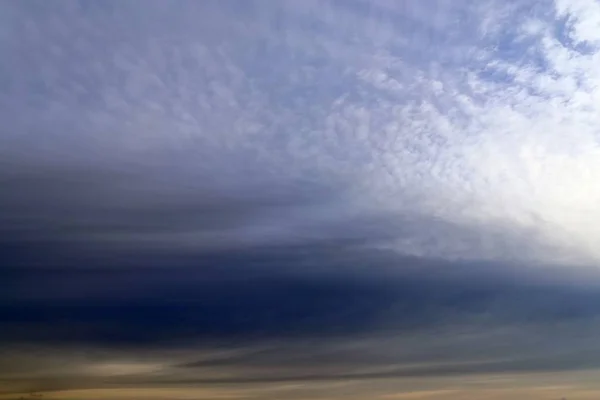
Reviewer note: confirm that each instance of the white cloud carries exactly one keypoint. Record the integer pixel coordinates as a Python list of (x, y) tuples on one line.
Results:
[(583, 18), (485, 118)]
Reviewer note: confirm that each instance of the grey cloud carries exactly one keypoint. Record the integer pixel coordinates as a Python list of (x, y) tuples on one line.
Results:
[(123, 213)]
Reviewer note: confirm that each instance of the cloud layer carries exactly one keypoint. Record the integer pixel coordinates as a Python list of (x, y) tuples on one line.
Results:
[(322, 190), (482, 117)]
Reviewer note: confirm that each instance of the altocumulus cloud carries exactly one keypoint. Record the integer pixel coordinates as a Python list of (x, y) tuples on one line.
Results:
[(482, 117), (298, 182)]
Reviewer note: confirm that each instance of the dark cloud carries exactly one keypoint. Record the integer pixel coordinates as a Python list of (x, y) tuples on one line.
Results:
[(100, 258), (277, 293), (538, 364), (73, 210)]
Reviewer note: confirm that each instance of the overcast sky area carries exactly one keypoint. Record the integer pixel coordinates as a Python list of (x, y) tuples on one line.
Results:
[(311, 200)]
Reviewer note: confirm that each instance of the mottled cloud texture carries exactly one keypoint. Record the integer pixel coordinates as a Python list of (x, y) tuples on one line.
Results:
[(310, 193)]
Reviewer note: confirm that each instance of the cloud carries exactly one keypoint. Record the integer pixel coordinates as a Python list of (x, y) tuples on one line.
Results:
[(317, 173), (471, 123), (281, 293), (427, 358)]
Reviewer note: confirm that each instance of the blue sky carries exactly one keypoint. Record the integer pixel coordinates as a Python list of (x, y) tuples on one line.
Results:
[(349, 151)]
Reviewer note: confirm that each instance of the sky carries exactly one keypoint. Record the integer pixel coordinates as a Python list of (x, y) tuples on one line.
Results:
[(317, 199)]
